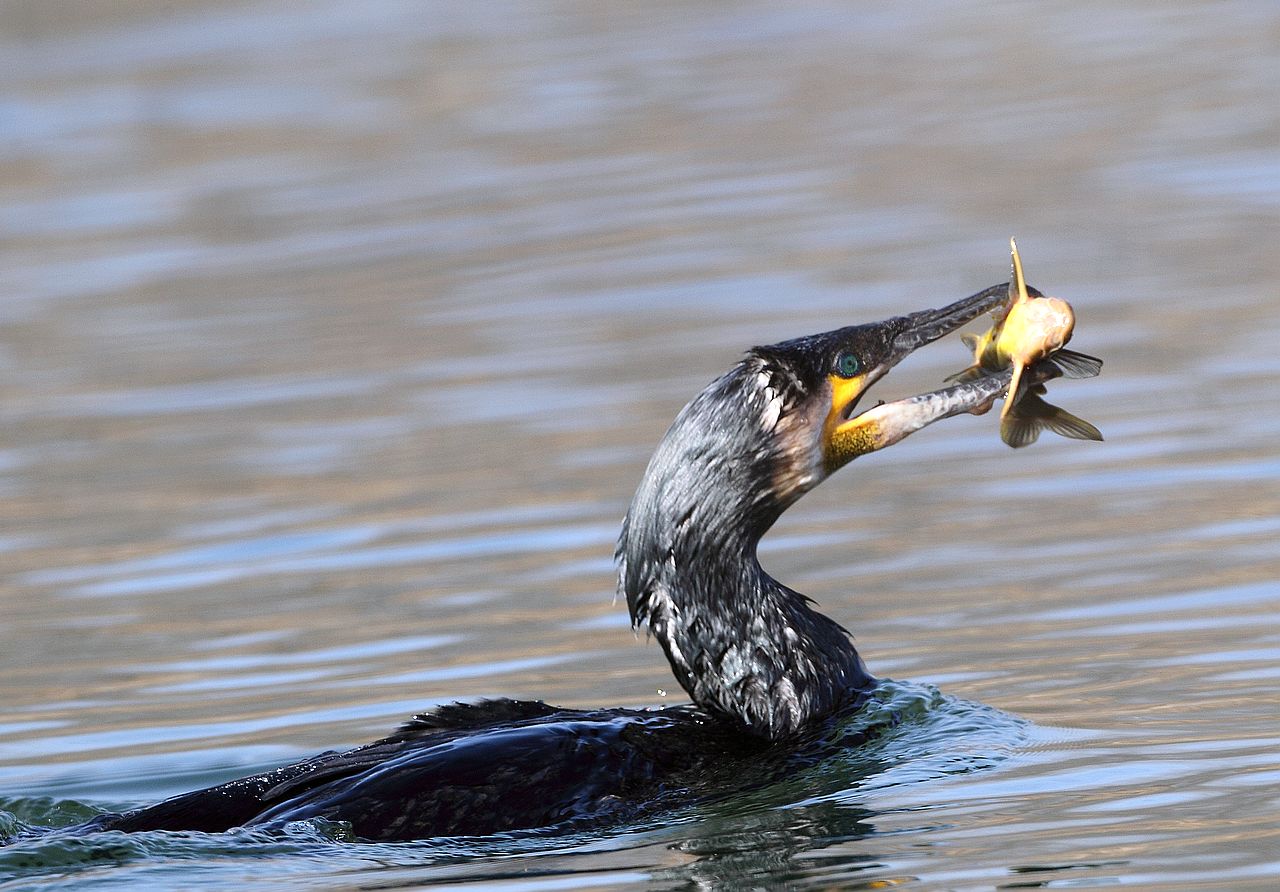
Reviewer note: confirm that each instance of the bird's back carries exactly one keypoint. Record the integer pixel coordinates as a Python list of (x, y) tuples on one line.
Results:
[(467, 769)]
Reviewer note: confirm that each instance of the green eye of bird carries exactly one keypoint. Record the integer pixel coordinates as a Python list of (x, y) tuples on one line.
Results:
[(847, 365)]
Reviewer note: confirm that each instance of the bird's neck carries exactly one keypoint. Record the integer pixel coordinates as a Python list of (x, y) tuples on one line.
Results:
[(744, 646), (747, 647)]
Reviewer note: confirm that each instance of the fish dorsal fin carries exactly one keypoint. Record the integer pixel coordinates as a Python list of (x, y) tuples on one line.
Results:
[(1017, 284)]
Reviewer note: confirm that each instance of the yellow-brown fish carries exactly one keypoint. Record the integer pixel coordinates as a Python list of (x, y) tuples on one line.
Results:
[(1031, 330)]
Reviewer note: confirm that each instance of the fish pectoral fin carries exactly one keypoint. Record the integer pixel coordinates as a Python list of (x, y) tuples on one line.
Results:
[(1073, 364), (973, 371), (970, 341)]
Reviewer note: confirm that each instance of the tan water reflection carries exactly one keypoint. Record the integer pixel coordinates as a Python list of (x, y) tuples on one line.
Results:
[(335, 341)]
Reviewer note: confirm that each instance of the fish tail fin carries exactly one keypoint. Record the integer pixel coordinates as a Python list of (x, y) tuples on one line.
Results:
[(1064, 424), (1018, 430), (1022, 426)]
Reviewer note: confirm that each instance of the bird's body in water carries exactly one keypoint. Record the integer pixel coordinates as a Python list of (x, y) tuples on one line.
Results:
[(767, 674)]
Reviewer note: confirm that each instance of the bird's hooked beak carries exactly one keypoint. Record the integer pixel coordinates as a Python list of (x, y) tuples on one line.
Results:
[(849, 434), (926, 326)]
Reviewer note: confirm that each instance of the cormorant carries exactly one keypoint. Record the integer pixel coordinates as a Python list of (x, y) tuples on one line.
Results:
[(764, 670)]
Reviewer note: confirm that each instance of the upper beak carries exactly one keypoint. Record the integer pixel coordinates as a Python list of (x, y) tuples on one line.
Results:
[(917, 329), (927, 326)]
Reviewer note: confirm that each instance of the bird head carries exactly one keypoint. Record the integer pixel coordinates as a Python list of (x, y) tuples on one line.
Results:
[(814, 388), (768, 431)]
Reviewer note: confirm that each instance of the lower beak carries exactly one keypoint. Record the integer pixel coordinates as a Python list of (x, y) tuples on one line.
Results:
[(888, 423)]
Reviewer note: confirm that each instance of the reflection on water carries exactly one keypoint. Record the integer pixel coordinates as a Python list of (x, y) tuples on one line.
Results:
[(332, 344)]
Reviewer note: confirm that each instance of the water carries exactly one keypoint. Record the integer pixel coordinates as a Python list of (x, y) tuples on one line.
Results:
[(333, 343)]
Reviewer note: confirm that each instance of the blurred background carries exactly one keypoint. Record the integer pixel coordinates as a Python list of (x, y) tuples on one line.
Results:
[(335, 336)]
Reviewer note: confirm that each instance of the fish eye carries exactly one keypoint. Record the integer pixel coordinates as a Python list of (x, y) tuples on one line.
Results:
[(847, 364)]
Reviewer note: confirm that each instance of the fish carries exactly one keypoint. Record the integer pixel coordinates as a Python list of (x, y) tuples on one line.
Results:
[(1030, 332), (1030, 414)]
